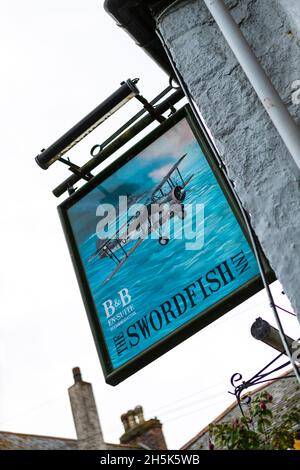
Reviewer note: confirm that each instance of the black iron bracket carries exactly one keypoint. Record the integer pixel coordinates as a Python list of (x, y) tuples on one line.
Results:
[(241, 385), (151, 109), (123, 135), (76, 169), (96, 149)]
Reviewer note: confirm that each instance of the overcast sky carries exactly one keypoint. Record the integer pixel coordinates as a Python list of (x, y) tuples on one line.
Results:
[(59, 59)]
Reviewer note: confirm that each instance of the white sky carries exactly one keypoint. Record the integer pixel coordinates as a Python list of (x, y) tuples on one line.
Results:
[(59, 59)]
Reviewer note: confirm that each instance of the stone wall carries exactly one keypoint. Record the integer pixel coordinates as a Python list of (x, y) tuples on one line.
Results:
[(264, 174), (286, 395)]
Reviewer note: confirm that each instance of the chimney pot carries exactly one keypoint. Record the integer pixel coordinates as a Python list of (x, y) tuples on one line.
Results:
[(139, 413), (131, 419), (77, 374), (125, 421)]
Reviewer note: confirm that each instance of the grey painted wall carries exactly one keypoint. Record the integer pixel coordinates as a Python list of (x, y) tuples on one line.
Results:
[(286, 396), (264, 175)]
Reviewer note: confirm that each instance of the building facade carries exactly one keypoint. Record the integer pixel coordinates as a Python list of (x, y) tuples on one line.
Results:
[(138, 432), (286, 396)]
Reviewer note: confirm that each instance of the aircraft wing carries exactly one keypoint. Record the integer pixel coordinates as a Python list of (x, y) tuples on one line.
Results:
[(163, 181), (187, 181), (135, 246)]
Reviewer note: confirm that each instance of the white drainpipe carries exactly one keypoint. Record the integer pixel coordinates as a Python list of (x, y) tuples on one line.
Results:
[(282, 120)]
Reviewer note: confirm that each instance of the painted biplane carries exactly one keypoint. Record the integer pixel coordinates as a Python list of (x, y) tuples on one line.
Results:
[(167, 199)]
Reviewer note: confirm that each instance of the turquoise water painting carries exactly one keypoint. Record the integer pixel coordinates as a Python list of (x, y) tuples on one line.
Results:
[(144, 289)]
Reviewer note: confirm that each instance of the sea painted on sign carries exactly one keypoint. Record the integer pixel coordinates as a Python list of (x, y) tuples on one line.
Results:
[(158, 288)]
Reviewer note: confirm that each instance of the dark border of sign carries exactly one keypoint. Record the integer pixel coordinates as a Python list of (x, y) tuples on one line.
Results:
[(113, 376)]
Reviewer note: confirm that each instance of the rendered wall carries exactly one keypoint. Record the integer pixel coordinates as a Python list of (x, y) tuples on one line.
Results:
[(257, 161)]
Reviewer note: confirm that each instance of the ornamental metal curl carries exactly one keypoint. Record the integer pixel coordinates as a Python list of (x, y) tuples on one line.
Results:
[(260, 377)]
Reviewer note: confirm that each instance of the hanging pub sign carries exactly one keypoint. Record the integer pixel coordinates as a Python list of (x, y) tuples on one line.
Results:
[(159, 247)]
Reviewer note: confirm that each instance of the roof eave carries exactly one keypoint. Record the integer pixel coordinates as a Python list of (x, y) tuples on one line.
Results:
[(136, 18)]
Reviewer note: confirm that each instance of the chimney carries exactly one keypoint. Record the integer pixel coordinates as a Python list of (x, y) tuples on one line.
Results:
[(147, 434), (85, 415), (139, 414)]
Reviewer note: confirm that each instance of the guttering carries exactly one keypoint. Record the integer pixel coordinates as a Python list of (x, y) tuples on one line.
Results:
[(135, 17)]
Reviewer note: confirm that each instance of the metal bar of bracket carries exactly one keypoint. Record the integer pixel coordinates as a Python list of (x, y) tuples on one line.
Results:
[(118, 143)]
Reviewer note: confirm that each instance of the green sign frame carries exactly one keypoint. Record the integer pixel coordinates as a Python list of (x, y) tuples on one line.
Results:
[(114, 374)]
